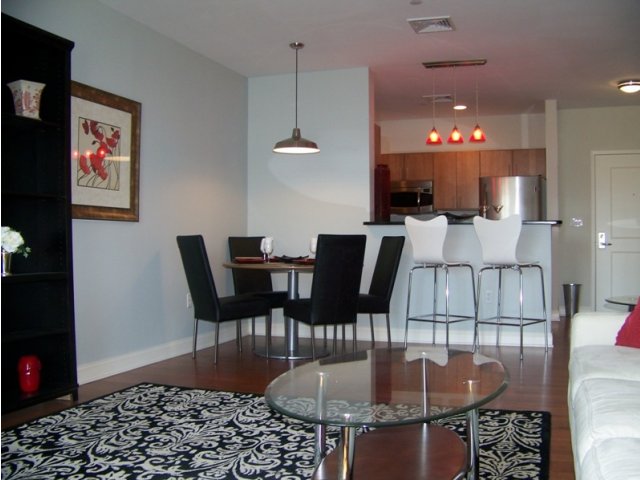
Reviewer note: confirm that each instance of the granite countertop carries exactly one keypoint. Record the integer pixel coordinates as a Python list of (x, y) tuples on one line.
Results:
[(469, 222)]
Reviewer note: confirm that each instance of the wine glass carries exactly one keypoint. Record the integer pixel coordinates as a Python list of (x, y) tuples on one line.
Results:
[(266, 247), (313, 245)]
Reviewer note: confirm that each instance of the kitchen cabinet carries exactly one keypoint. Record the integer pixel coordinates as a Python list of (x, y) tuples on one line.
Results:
[(395, 161), (418, 166), (456, 174), (455, 180), (37, 298), (496, 163), (409, 166), (531, 161)]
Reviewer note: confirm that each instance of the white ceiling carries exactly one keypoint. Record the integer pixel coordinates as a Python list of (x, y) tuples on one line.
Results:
[(573, 51)]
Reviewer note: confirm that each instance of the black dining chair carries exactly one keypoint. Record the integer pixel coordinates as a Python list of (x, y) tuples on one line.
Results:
[(378, 300), (334, 288), (206, 303), (256, 282)]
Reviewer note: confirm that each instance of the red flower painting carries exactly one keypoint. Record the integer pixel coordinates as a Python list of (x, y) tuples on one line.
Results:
[(98, 164)]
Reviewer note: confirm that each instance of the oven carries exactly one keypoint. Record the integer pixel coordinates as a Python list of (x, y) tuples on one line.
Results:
[(411, 197)]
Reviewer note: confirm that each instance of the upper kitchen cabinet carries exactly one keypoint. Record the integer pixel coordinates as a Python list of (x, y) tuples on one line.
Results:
[(531, 161), (496, 163), (409, 166), (455, 180), (456, 175)]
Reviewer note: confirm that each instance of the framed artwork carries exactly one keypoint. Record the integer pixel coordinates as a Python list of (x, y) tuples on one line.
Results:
[(105, 155)]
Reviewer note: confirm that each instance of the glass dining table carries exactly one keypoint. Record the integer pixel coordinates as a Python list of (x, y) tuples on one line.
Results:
[(293, 349)]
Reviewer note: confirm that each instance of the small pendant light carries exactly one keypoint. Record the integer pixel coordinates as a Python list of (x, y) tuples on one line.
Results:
[(434, 137), (296, 144), (477, 136), (455, 136)]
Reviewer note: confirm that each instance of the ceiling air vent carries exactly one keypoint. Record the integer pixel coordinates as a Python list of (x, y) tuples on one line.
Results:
[(439, 98), (431, 24)]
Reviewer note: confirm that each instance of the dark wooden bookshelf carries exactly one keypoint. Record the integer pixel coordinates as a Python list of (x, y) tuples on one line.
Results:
[(37, 299)]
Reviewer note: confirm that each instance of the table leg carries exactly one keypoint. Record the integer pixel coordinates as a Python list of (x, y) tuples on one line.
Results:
[(473, 445), (291, 339), (346, 453), (293, 350)]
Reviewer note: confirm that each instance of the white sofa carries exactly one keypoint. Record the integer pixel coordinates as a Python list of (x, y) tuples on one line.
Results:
[(604, 399)]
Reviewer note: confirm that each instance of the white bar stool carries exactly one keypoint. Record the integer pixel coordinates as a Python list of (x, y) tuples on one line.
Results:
[(427, 240), (499, 240)]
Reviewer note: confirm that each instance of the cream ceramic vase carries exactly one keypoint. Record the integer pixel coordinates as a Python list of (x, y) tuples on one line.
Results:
[(26, 97)]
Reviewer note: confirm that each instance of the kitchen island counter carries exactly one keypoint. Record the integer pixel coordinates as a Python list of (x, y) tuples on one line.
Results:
[(462, 243)]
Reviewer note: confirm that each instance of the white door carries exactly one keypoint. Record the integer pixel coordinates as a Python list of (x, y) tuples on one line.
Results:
[(617, 225)]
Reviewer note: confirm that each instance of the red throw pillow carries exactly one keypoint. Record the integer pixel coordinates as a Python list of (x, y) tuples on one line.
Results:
[(629, 334)]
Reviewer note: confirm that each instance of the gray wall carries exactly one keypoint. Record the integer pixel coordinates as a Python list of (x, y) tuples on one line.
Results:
[(129, 284), (581, 132)]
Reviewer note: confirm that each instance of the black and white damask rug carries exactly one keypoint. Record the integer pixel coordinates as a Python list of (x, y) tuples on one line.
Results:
[(162, 432)]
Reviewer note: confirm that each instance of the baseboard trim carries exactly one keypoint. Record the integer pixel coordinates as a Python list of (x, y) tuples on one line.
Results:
[(92, 371)]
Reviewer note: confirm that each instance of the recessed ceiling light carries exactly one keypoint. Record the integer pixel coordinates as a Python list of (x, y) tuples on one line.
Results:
[(460, 107), (629, 86)]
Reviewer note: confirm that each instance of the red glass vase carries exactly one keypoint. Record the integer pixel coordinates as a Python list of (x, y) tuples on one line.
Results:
[(29, 367)]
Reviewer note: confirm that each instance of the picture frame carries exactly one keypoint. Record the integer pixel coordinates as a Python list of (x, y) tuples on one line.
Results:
[(105, 155)]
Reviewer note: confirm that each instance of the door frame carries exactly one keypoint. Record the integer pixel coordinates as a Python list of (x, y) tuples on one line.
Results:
[(593, 233)]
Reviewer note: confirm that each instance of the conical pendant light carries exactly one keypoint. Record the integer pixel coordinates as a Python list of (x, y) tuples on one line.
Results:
[(477, 136), (434, 137), (455, 136), (296, 144)]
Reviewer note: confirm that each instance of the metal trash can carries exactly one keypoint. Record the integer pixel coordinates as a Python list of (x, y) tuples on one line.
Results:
[(571, 299)]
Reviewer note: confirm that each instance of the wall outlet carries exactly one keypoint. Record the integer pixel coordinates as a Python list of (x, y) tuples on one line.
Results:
[(189, 302), (488, 296)]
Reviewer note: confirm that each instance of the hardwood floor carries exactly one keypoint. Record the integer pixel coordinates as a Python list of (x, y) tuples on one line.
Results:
[(538, 383)]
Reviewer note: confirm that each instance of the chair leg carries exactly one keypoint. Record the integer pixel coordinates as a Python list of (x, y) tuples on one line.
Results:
[(388, 332), (446, 303), (476, 330), (373, 335), (215, 343), (195, 337), (313, 343), (239, 335), (406, 325), (475, 301), (267, 339), (499, 311), (521, 300), (253, 334), (435, 305), (355, 337), (544, 309)]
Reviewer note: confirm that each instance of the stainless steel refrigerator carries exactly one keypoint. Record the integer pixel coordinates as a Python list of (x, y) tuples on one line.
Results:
[(501, 197)]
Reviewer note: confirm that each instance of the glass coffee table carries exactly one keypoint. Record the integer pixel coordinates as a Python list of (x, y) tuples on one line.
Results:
[(388, 388)]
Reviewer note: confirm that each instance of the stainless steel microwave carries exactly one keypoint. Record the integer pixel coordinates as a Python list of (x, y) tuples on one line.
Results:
[(411, 197)]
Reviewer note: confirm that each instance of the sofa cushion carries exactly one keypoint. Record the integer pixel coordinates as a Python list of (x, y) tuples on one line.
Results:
[(613, 459), (601, 361), (603, 409), (629, 334)]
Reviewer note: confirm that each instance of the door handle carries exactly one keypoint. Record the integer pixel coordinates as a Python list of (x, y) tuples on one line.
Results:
[(602, 240)]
